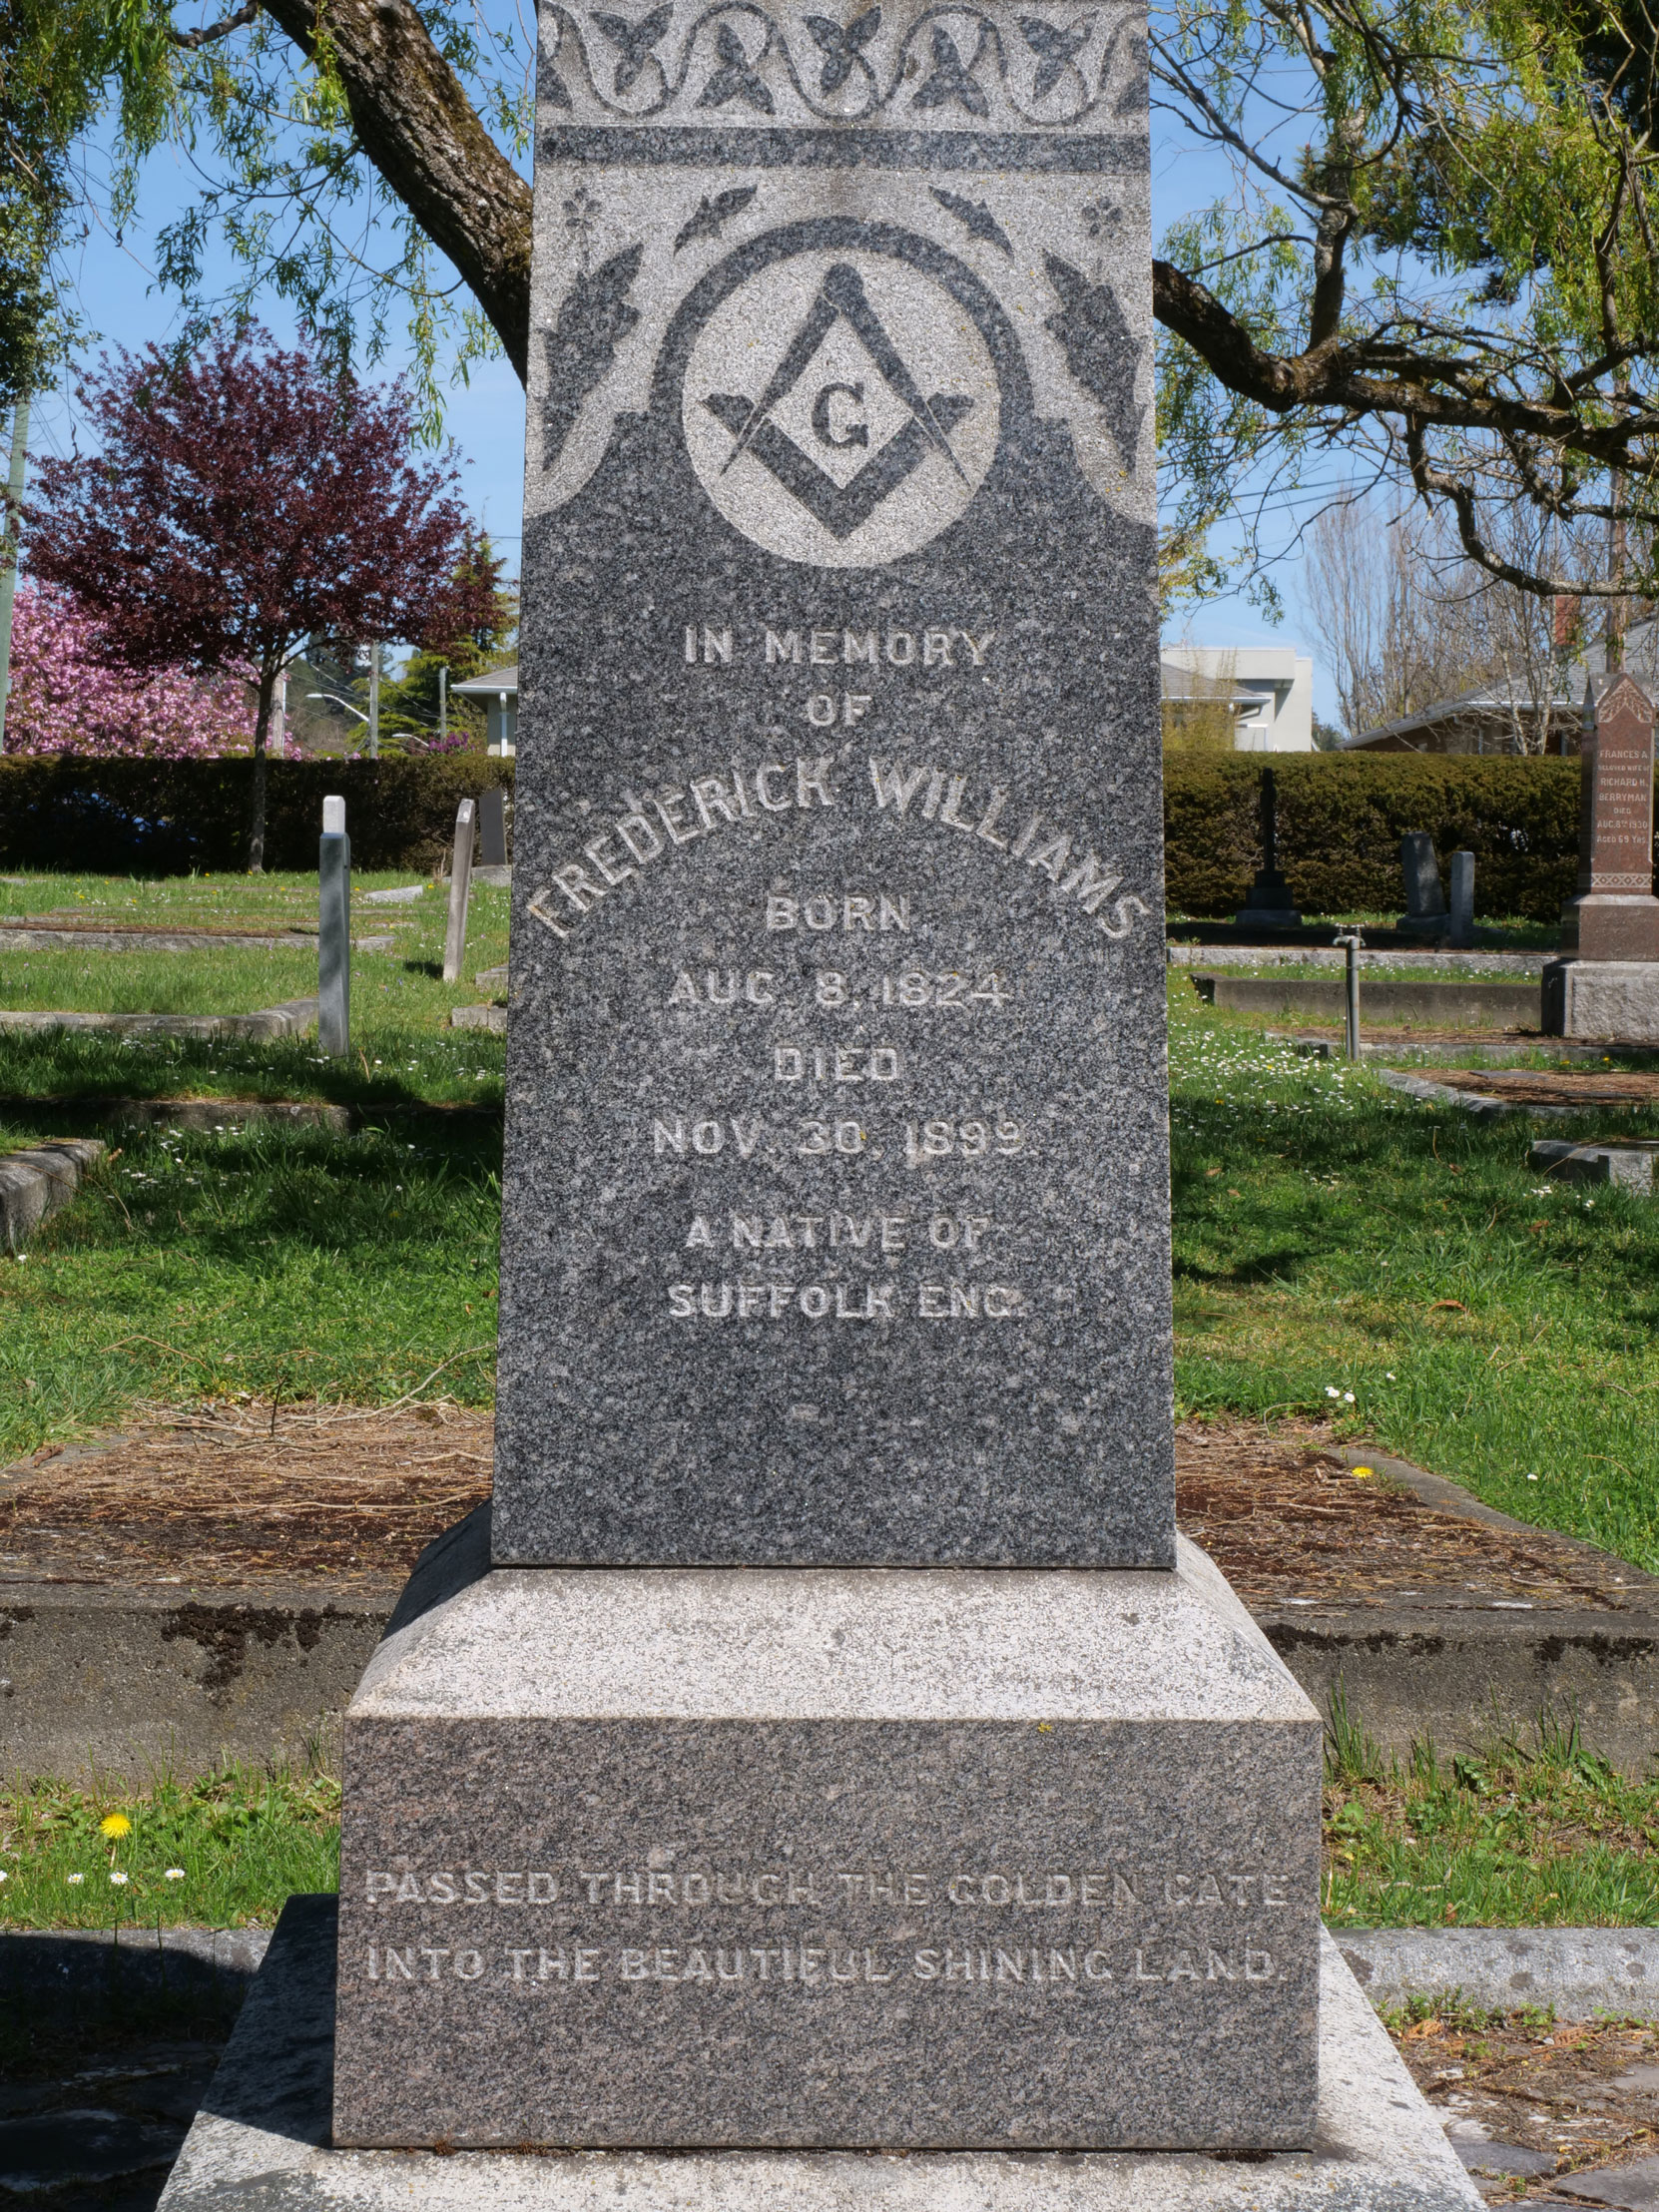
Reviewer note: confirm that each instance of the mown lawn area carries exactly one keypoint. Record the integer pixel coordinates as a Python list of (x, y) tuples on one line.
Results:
[(1339, 1250), (1333, 1238), (286, 1261)]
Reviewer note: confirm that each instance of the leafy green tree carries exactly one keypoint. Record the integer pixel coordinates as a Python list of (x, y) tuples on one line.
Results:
[(410, 706), (1437, 249)]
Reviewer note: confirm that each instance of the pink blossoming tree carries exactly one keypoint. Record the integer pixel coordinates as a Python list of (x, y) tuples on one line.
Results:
[(244, 499), (68, 694)]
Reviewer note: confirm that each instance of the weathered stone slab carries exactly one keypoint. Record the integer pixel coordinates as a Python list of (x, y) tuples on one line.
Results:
[(836, 1227), (36, 1182), (262, 2137), (702, 1857), (1615, 1000)]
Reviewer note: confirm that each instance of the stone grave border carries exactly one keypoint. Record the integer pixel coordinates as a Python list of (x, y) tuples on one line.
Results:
[(286, 1020), (179, 1675)]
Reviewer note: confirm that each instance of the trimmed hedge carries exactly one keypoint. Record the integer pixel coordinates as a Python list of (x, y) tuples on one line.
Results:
[(1341, 820), (1341, 816), (167, 817)]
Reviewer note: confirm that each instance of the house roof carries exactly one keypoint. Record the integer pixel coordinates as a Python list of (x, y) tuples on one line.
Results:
[(491, 683), (1487, 700)]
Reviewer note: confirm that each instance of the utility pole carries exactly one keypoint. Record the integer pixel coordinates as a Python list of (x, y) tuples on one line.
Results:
[(374, 701), (8, 573), (443, 703)]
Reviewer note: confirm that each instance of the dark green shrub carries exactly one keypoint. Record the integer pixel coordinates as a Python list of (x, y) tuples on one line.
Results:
[(1341, 820), (167, 817)]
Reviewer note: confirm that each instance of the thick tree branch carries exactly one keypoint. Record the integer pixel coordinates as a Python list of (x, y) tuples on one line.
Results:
[(1380, 379), (209, 34), (418, 128)]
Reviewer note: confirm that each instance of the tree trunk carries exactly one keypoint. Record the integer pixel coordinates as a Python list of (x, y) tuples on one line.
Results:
[(261, 726), (425, 137)]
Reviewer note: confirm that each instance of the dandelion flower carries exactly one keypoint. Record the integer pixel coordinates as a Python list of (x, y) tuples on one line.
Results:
[(74, 1876), (174, 1874), (1360, 1473), (114, 1824), (118, 1878)]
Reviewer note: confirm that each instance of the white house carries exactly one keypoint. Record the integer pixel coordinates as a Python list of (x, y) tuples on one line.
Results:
[(1269, 688), (497, 687)]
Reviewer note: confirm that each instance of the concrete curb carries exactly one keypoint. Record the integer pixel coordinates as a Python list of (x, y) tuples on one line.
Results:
[(74, 1961), (479, 1017), (215, 1113), (286, 1020), (1578, 1970), (35, 1183), (1333, 956), (1465, 1002)]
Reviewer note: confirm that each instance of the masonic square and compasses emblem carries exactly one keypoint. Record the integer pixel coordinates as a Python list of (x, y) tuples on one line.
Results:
[(840, 408)]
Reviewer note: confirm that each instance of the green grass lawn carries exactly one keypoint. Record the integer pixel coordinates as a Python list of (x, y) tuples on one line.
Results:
[(1540, 1834), (218, 1851), (1339, 1250), (399, 1007), (1333, 1238)]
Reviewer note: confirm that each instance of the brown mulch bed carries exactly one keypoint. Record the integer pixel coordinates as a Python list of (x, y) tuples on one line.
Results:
[(1289, 1523), (1577, 2096), (1550, 1087), (224, 1495)]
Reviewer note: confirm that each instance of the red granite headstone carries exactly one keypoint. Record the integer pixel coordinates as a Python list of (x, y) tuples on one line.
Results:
[(1615, 915)]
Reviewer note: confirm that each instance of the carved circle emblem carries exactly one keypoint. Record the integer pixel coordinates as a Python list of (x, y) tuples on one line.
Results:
[(840, 408)]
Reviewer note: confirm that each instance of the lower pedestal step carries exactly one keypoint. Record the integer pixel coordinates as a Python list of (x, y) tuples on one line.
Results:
[(260, 2140)]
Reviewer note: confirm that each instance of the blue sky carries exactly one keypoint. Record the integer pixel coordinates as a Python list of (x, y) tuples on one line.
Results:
[(118, 297)]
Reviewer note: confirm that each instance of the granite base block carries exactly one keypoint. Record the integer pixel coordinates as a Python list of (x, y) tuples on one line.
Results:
[(719, 1858), (262, 2141), (1615, 1000)]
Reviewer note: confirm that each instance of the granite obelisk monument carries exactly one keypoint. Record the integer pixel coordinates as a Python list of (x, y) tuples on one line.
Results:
[(1606, 984), (836, 1748)]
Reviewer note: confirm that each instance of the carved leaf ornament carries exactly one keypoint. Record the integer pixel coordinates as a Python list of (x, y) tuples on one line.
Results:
[(953, 58)]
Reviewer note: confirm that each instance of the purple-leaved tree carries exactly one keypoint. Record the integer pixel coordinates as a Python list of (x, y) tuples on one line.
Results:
[(244, 499)]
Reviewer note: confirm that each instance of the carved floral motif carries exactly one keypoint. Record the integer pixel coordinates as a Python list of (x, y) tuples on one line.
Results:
[(1048, 71)]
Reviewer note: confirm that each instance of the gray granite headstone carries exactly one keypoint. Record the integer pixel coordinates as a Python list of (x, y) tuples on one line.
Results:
[(1461, 933), (492, 828), (827, 1742), (1425, 896), (460, 889), (837, 1220)]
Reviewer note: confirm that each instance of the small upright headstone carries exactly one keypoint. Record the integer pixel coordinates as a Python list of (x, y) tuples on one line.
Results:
[(1269, 904), (460, 887), (492, 828), (334, 931), (1460, 935), (1425, 913)]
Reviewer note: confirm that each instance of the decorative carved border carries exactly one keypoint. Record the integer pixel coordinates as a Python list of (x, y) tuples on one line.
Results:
[(740, 60)]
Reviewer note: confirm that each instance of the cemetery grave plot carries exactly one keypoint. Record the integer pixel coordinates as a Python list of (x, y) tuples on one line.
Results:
[(190, 948), (235, 1495), (224, 1495), (1532, 2105), (1624, 1087)]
